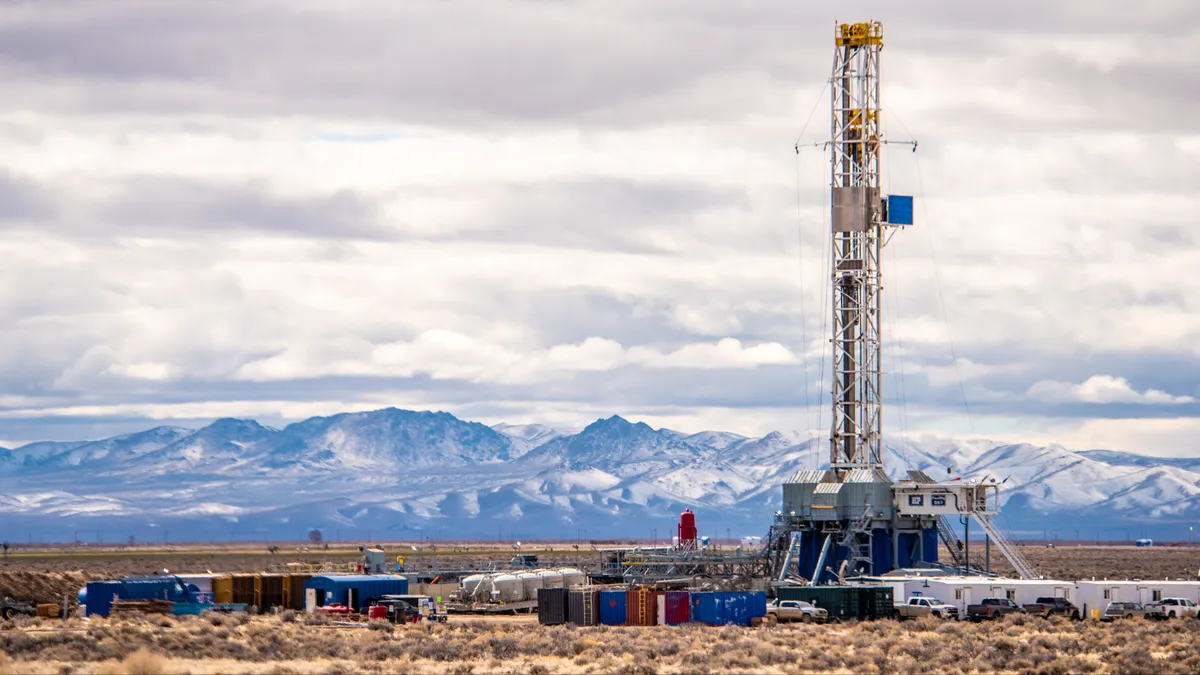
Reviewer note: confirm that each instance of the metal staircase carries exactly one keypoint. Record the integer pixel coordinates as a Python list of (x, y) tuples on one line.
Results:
[(856, 539), (1010, 551), (945, 532)]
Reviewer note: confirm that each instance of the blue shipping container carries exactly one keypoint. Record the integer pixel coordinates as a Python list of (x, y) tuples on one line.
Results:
[(364, 588), (612, 608), (99, 597), (719, 609), (900, 210)]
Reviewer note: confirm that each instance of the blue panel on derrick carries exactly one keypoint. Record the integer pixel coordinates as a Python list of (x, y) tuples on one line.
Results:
[(930, 543), (899, 210)]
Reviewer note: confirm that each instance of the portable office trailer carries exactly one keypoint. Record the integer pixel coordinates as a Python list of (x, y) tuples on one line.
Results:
[(1094, 596), (963, 591), (353, 590)]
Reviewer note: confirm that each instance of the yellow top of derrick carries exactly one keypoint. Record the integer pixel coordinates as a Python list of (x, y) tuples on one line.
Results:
[(859, 34)]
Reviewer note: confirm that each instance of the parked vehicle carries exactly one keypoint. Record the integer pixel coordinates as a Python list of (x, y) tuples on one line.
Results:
[(1170, 608), (992, 608), (796, 610), (1123, 610), (11, 606), (1048, 605), (922, 606)]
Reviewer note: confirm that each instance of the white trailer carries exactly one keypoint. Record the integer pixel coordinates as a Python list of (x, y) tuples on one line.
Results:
[(963, 591), (1094, 596)]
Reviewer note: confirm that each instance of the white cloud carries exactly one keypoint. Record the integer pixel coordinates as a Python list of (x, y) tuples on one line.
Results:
[(445, 354), (614, 212), (1101, 389)]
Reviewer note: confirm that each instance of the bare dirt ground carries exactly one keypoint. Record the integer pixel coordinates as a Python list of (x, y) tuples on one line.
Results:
[(1062, 562), (292, 644), (1074, 562)]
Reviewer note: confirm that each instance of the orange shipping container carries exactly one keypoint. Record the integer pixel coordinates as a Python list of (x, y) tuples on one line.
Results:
[(641, 607)]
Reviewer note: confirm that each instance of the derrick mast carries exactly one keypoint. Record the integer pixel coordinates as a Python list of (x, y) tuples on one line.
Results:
[(852, 518), (857, 222)]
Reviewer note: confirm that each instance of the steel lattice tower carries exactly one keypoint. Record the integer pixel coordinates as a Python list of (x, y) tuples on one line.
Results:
[(857, 239)]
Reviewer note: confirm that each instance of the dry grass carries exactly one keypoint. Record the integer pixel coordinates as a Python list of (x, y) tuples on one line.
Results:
[(164, 645)]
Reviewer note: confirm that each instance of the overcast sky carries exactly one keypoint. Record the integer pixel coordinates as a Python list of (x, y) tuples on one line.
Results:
[(539, 211)]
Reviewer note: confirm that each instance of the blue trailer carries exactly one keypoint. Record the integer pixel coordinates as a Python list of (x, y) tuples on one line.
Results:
[(98, 596), (356, 591)]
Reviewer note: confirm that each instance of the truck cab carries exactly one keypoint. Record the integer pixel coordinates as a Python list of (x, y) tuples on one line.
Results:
[(796, 610), (922, 606), (992, 608), (1170, 608), (1046, 606)]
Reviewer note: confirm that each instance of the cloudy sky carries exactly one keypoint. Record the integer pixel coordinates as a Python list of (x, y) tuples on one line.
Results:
[(539, 211)]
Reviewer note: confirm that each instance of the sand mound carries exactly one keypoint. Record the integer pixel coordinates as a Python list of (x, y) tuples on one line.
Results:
[(42, 587)]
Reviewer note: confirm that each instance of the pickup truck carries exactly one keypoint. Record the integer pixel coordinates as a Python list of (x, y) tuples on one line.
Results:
[(1048, 605), (1170, 608), (922, 606), (992, 608), (796, 610)]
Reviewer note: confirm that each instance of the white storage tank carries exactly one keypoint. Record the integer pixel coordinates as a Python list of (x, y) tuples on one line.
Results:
[(470, 584), (507, 588), (532, 583), (572, 577), (550, 578)]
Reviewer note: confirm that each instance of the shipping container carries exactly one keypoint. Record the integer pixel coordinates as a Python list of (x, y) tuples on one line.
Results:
[(845, 602), (100, 595), (223, 590), (677, 607), (612, 608), (353, 590), (552, 606), (723, 608), (584, 608), (268, 591), (243, 589), (641, 607), (293, 590)]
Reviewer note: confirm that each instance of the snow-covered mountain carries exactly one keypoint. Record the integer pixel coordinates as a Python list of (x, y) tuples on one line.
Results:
[(405, 474)]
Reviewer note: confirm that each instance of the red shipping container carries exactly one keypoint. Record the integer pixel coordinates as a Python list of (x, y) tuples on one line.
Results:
[(641, 607), (677, 607)]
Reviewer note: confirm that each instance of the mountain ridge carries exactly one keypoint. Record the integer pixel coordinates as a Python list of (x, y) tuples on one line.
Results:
[(406, 472)]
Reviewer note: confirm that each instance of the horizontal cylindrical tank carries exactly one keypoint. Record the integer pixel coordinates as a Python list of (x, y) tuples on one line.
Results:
[(572, 577), (507, 588), (470, 584), (531, 582), (551, 578)]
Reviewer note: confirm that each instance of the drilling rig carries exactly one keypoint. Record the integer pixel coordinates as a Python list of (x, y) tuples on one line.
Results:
[(852, 519)]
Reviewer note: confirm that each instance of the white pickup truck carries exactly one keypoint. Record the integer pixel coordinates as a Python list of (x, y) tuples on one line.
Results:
[(1170, 608), (922, 606), (796, 610)]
